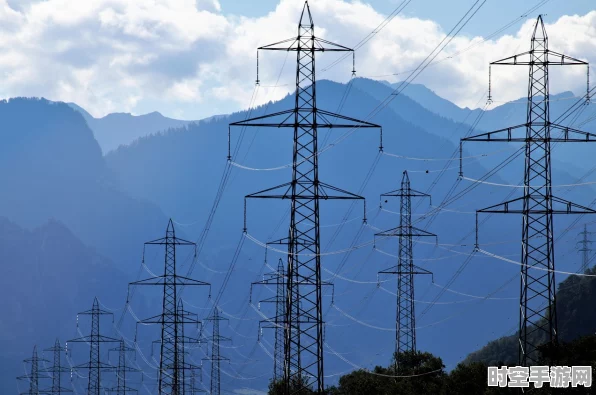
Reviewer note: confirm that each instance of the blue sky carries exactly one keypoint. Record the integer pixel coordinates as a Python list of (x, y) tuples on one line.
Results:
[(191, 59), (445, 13)]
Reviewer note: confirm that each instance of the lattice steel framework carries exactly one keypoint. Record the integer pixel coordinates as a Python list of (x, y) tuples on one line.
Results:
[(94, 366), (192, 385), (585, 248), (303, 322), (172, 365), (538, 315), (277, 278), (405, 321), (56, 370), (216, 357), (33, 376), (121, 387)]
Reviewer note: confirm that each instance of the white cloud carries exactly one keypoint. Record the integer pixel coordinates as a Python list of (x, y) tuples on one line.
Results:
[(127, 55)]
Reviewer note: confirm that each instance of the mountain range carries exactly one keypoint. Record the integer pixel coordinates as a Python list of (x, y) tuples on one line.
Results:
[(111, 183)]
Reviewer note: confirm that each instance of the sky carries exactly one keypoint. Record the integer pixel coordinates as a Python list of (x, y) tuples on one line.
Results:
[(190, 59)]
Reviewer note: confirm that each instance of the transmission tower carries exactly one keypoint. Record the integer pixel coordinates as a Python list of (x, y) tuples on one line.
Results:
[(303, 322), (405, 321), (216, 357), (173, 317), (94, 365), (33, 377), (122, 369), (192, 386), (277, 278), (538, 315), (56, 370), (585, 248)]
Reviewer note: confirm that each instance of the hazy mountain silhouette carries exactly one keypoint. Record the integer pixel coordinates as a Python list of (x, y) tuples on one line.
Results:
[(435, 103), (49, 275), (52, 167), (117, 129), (500, 115)]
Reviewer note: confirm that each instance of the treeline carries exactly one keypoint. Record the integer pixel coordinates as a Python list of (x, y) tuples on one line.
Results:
[(576, 298), (424, 374)]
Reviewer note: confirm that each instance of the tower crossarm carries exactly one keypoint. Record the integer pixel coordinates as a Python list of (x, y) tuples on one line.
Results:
[(171, 280), (101, 365), (396, 270), (287, 191), (513, 134), (294, 45), (400, 193), (400, 231), (287, 119), (171, 241), (516, 206), (526, 59), (101, 338), (324, 192)]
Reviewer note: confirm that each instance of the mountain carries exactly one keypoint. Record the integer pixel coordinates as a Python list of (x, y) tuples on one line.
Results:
[(180, 170), (117, 129), (499, 116), (49, 276), (52, 167), (436, 104)]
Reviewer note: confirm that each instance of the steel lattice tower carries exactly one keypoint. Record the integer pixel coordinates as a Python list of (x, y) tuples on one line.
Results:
[(56, 370), (405, 321), (94, 365), (303, 322), (122, 369), (277, 278), (33, 376), (585, 248), (538, 315), (173, 317), (192, 386), (216, 357)]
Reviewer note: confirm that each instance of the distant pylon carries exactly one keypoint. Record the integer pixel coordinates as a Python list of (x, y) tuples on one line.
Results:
[(537, 314), (192, 386), (94, 365), (585, 248), (216, 357), (122, 369), (303, 335), (33, 376), (173, 317), (405, 321), (277, 278), (56, 370)]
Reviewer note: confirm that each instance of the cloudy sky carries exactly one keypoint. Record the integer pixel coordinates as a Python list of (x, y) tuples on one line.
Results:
[(190, 59)]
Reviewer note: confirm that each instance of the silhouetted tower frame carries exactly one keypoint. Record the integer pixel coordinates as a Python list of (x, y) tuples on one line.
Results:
[(121, 387), (56, 370), (94, 365), (216, 357), (405, 321), (303, 334), (538, 315), (278, 279), (33, 376), (585, 248), (192, 386), (173, 316)]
